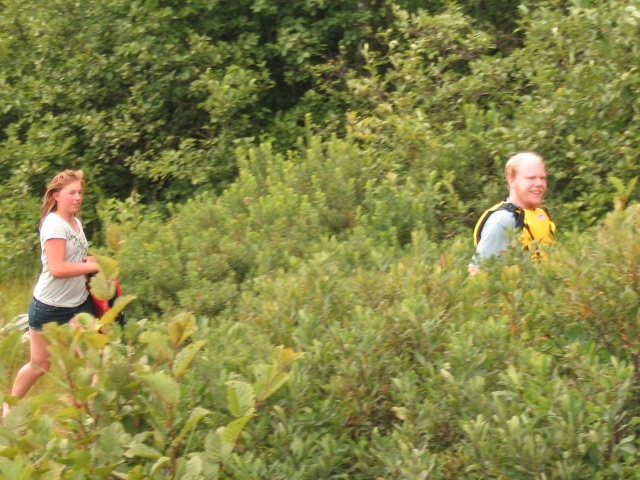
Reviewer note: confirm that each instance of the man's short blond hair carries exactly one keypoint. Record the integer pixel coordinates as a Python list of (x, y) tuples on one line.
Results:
[(511, 167)]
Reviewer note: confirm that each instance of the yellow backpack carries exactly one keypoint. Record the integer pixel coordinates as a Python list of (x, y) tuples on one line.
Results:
[(537, 227)]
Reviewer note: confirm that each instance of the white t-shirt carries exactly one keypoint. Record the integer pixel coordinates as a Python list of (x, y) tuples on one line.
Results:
[(62, 292)]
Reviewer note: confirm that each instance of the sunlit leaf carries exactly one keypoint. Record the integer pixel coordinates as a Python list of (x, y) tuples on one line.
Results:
[(231, 432), (119, 305), (108, 266), (190, 469), (104, 470), (186, 356), (159, 464), (97, 340), (80, 457), (288, 356), (216, 449), (162, 384), (144, 451), (157, 344), (241, 398), (272, 387), (101, 287), (181, 327), (196, 415)]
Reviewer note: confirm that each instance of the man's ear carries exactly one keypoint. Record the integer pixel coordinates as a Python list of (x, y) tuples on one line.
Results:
[(510, 180)]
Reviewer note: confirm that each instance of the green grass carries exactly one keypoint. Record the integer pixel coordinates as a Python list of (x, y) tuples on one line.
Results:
[(14, 298)]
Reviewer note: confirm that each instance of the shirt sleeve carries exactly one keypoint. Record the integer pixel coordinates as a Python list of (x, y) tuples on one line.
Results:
[(495, 237), (51, 228)]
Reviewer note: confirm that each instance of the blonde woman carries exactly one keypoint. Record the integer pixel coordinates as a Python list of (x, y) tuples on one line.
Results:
[(61, 291)]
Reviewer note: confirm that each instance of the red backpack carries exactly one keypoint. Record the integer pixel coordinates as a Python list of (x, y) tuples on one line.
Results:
[(100, 307)]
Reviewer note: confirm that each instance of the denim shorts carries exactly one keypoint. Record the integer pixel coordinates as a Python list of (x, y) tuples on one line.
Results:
[(41, 313)]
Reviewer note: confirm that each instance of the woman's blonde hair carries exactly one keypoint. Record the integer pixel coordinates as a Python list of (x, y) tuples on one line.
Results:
[(57, 183)]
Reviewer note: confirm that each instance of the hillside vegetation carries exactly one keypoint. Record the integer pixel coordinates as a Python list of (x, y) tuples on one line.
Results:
[(289, 193)]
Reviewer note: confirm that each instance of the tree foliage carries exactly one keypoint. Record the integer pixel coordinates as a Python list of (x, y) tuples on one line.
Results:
[(152, 99), (307, 174)]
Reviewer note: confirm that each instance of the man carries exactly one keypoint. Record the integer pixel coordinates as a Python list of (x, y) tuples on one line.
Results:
[(527, 181)]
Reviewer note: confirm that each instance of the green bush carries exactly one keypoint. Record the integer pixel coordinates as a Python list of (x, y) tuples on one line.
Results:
[(353, 248), (131, 410), (411, 368)]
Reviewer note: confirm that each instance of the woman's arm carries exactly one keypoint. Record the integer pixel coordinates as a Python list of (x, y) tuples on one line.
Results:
[(54, 250)]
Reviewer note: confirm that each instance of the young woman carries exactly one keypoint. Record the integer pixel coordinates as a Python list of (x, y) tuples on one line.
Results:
[(61, 292)]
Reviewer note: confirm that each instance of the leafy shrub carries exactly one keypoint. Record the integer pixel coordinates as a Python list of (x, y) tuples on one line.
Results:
[(125, 413), (354, 249), (410, 367)]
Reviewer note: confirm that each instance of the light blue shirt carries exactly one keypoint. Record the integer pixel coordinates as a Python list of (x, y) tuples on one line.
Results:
[(495, 236)]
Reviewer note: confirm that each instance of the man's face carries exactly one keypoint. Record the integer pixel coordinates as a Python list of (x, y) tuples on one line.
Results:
[(529, 184)]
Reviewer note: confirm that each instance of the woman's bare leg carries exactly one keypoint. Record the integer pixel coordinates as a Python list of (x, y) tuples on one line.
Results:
[(29, 373)]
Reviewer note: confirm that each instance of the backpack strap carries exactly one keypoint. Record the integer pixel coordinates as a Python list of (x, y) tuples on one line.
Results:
[(517, 211)]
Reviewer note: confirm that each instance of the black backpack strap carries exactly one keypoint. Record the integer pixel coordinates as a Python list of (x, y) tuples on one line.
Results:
[(510, 207), (517, 211)]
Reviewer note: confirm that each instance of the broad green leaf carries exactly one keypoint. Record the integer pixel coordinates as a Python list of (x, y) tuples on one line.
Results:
[(157, 345), (10, 452), (97, 340), (186, 356), (190, 469), (241, 398), (197, 414), (105, 470), (401, 412), (118, 306), (85, 320), (53, 470), (617, 183), (210, 470), (140, 438), (162, 384), (117, 375), (158, 465), (274, 386), (84, 394), (108, 266), (180, 328), (80, 457), (136, 473), (101, 287), (19, 468), (109, 442), (232, 432), (216, 449), (269, 379), (71, 411), (288, 356), (264, 373), (143, 451)]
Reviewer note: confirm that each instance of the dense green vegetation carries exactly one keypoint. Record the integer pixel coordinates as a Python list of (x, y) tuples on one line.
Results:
[(279, 178), (153, 99)]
